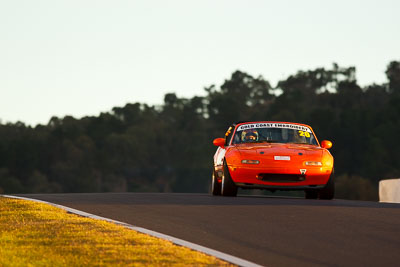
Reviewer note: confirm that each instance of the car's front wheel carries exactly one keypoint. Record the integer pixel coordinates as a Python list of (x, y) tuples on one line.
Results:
[(328, 192), (215, 185), (228, 187)]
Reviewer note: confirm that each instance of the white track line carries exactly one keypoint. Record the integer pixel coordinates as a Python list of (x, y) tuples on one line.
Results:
[(177, 241)]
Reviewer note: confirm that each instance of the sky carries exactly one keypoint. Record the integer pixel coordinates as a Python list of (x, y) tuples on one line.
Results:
[(84, 57)]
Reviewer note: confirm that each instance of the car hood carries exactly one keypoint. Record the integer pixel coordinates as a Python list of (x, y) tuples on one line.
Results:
[(269, 151)]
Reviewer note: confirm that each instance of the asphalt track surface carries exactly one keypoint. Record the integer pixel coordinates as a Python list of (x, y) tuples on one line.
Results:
[(269, 231)]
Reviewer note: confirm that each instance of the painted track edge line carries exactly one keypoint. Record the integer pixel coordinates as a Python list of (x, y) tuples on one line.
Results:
[(177, 241)]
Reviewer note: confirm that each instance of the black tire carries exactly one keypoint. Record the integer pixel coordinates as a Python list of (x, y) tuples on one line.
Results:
[(311, 194), (215, 186), (228, 187), (328, 192)]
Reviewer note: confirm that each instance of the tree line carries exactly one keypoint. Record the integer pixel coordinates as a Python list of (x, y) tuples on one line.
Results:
[(168, 147)]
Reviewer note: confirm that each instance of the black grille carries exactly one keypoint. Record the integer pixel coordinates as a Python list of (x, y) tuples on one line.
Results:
[(282, 178)]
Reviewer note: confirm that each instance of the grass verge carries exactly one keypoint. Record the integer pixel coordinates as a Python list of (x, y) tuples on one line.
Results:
[(36, 234)]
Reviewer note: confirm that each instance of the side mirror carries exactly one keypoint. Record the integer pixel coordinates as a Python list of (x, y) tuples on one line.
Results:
[(326, 144), (219, 142)]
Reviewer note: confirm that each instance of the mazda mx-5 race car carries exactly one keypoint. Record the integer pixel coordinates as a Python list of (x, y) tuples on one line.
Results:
[(273, 156)]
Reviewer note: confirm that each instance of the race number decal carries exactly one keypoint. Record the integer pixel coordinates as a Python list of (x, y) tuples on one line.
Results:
[(305, 134)]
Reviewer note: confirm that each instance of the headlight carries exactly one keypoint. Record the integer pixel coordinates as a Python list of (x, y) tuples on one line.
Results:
[(327, 159), (328, 162), (313, 163), (250, 161)]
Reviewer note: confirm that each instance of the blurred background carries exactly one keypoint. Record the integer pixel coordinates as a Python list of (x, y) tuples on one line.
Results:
[(101, 96)]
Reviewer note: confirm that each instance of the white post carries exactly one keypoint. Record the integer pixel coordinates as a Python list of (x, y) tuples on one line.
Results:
[(389, 191)]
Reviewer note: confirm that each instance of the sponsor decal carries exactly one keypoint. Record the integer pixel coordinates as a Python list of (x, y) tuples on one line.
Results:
[(274, 125), (303, 171), (281, 157)]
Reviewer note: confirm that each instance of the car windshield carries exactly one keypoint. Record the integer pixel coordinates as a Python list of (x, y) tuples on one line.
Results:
[(274, 133)]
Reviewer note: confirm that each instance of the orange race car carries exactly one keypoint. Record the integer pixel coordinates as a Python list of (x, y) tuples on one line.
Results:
[(275, 156)]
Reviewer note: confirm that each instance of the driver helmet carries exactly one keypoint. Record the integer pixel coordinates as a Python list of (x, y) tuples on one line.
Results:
[(250, 135)]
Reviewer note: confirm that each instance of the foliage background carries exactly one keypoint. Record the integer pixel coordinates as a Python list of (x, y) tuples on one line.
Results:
[(168, 148)]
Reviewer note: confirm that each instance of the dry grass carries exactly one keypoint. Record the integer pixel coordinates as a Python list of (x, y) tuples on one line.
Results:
[(35, 234)]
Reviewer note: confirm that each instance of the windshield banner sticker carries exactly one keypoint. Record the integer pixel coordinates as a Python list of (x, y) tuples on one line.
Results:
[(273, 125)]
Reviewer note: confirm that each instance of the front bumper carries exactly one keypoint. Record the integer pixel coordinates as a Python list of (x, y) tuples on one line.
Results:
[(251, 176)]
